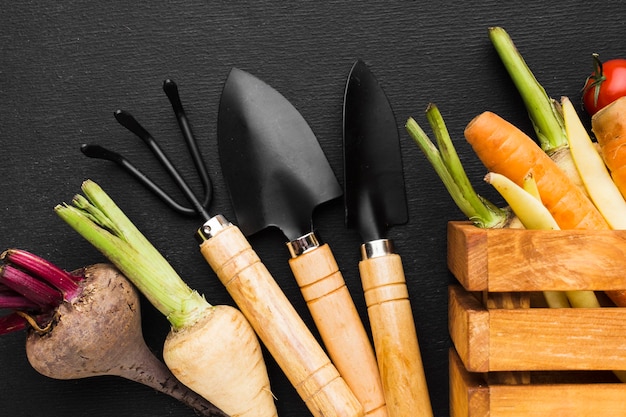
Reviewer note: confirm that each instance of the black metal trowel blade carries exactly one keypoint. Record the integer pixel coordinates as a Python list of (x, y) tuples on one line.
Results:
[(273, 164), (375, 197)]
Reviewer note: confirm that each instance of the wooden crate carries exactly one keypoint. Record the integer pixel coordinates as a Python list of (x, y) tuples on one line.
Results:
[(513, 356)]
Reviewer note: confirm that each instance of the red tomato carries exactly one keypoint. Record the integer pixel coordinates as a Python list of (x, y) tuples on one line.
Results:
[(606, 84)]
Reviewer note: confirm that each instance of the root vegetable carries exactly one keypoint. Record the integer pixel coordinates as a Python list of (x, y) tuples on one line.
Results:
[(505, 149), (593, 171), (609, 128), (524, 199), (524, 204), (95, 331), (211, 349), (192, 343), (544, 112)]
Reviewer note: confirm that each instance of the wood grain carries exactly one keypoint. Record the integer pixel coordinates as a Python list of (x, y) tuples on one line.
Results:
[(340, 326), (536, 338), (395, 337), (279, 326), (536, 260), (470, 396)]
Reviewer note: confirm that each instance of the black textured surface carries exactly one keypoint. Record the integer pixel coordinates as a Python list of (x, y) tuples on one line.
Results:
[(65, 67)]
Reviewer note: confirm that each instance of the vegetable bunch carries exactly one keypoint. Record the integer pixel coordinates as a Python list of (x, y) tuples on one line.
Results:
[(31, 289), (211, 349), (562, 170), (562, 181), (83, 324)]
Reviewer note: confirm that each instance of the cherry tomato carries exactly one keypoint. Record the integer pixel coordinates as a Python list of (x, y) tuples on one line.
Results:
[(606, 84)]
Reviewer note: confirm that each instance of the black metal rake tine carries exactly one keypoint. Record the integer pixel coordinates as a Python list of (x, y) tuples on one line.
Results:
[(129, 122), (97, 151), (171, 90)]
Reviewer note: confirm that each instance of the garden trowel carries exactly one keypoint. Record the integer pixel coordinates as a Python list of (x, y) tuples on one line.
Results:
[(375, 200), (277, 175)]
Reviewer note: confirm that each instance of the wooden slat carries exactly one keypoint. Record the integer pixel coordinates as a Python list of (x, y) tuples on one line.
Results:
[(530, 339), (470, 396), (557, 339), (536, 260), (468, 323), (572, 400), (507, 300)]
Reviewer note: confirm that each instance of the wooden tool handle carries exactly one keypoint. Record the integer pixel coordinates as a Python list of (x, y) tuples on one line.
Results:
[(278, 325), (395, 337), (340, 326)]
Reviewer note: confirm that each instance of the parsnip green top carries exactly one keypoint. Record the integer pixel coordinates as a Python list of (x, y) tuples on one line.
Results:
[(102, 223)]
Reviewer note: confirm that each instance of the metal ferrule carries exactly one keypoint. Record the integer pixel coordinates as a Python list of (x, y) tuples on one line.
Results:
[(303, 244), (211, 227), (376, 248)]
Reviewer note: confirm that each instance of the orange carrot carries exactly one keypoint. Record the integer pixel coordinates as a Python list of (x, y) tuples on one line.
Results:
[(505, 149), (609, 127)]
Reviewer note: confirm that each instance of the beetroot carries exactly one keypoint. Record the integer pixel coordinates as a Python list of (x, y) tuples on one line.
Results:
[(96, 331)]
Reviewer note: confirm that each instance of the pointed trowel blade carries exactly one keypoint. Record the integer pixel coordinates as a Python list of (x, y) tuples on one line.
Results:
[(273, 164), (375, 197)]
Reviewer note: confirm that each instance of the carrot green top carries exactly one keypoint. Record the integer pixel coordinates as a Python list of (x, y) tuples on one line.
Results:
[(445, 160), (543, 111)]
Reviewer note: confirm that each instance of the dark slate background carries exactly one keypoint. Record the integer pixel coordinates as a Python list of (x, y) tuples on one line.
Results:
[(66, 66)]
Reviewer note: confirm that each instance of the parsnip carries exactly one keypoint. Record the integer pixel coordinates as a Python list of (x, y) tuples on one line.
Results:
[(211, 349), (246, 388), (593, 172), (525, 205), (534, 215)]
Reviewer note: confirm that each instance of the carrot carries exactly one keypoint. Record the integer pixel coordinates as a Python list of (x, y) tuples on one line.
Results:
[(526, 204), (550, 129), (92, 328), (211, 349), (609, 128), (505, 149)]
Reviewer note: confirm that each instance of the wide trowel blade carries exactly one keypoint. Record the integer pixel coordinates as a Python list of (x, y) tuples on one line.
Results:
[(375, 197), (273, 164)]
